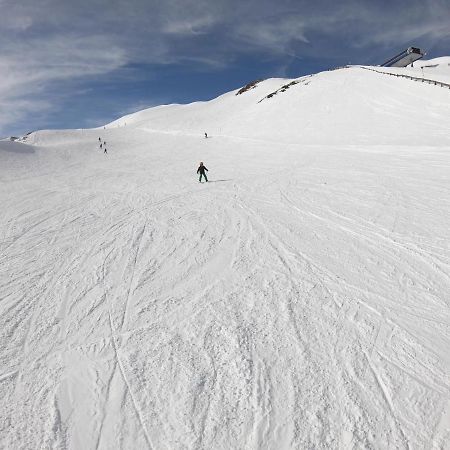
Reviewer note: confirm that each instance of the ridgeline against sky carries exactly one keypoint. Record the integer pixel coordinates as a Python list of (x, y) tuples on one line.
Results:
[(80, 64)]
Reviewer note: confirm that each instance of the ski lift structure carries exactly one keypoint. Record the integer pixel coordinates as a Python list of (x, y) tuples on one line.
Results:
[(404, 58)]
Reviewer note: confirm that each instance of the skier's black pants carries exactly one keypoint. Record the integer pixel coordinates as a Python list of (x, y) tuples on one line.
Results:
[(204, 175)]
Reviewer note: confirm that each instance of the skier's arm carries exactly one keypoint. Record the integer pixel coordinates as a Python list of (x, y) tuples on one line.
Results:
[(206, 169)]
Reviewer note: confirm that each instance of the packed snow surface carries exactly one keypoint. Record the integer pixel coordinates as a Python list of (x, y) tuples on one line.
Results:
[(299, 299)]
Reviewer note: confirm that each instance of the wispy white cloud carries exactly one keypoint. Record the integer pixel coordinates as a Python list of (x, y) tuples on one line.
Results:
[(396, 23), (199, 25), (15, 110), (30, 69), (275, 34)]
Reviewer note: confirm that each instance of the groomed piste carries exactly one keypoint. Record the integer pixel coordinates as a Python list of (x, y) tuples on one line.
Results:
[(299, 299)]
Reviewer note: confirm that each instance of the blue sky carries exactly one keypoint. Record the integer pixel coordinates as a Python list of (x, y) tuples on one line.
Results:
[(83, 63)]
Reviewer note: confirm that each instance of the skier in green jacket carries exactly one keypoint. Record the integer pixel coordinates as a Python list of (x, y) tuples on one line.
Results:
[(201, 170)]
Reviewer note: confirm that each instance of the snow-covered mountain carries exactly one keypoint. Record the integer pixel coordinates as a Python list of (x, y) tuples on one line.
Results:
[(344, 106), (299, 299)]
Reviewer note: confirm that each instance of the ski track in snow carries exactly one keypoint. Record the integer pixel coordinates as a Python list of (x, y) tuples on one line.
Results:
[(300, 301)]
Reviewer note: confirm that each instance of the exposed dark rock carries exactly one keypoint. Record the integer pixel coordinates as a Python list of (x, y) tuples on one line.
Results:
[(248, 86)]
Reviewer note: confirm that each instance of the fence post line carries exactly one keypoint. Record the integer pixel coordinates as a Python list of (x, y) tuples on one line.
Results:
[(409, 77)]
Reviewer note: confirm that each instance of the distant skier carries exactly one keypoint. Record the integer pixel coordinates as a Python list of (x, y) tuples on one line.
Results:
[(206, 135), (101, 145), (106, 151), (104, 143), (201, 170), (99, 139)]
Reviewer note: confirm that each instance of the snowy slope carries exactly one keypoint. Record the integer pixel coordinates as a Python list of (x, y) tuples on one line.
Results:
[(300, 299), (437, 69), (348, 106)]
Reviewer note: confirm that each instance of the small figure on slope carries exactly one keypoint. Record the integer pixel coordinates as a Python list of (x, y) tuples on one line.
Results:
[(105, 150), (206, 135), (99, 140), (201, 170), (101, 145)]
